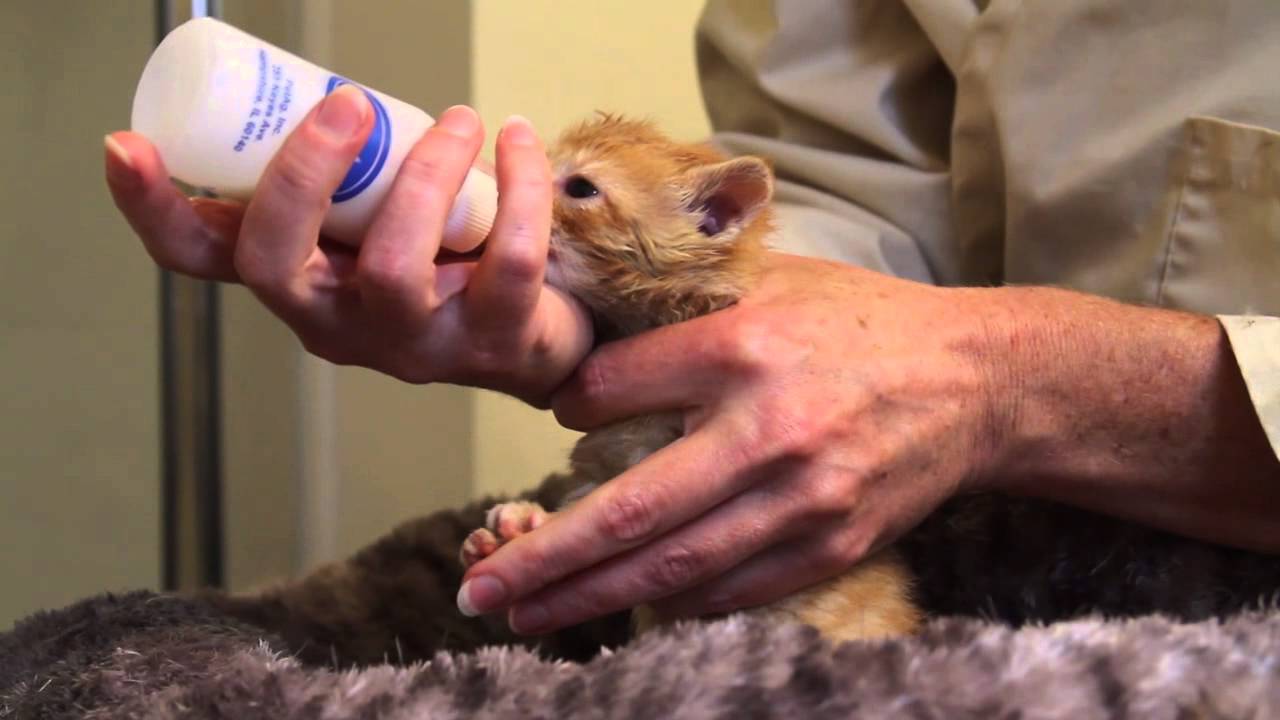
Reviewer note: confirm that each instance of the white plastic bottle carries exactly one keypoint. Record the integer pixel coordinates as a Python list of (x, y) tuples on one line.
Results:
[(218, 103)]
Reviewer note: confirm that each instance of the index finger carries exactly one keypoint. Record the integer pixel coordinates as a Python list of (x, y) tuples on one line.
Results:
[(173, 230), (666, 490)]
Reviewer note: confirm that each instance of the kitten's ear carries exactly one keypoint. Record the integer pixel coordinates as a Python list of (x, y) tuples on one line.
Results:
[(729, 194)]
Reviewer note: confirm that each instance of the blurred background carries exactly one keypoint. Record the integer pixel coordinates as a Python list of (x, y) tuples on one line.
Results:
[(314, 461)]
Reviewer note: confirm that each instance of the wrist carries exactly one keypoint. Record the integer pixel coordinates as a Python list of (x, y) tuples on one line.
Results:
[(1089, 389), (1004, 346), (1021, 340), (1136, 412)]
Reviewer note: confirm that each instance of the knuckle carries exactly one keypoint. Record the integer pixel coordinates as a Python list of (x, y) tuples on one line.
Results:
[(386, 274), (628, 517), (760, 340), (521, 259), (829, 497), (591, 389), (262, 277), (427, 173), (595, 384), (298, 176), (797, 434), (778, 433), (745, 348), (574, 409), (541, 346), (674, 568), (834, 554)]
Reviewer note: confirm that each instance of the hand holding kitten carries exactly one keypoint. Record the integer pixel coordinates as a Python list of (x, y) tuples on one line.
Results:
[(821, 423)]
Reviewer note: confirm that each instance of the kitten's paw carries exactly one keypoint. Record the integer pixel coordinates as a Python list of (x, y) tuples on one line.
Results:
[(510, 520), (504, 522)]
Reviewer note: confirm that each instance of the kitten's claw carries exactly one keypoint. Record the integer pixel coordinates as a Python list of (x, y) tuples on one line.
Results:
[(479, 545), (504, 522)]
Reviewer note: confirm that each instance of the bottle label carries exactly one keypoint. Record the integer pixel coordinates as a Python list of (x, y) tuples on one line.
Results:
[(373, 156), (269, 108)]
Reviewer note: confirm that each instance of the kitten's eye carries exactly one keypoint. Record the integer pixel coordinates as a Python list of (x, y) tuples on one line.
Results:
[(579, 187)]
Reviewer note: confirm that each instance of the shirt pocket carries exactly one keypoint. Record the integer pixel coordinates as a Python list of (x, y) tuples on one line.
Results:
[(1223, 250)]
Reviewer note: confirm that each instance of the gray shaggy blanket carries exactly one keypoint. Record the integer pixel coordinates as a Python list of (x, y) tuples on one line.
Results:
[(1018, 634), (148, 656)]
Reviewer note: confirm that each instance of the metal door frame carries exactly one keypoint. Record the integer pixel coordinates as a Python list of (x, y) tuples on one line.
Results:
[(191, 409)]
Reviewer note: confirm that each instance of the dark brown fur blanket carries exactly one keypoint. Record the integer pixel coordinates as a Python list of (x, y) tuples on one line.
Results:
[(378, 636), (147, 656)]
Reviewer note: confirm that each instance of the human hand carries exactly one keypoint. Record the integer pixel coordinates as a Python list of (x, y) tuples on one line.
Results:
[(389, 306), (826, 414)]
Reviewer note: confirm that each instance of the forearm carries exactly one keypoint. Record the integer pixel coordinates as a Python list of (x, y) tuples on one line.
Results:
[(1132, 411)]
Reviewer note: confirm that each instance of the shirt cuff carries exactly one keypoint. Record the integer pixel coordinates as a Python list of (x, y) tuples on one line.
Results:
[(1255, 340)]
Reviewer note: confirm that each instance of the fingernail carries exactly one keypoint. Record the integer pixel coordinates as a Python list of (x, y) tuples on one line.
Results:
[(122, 171), (342, 111), (459, 120), (209, 210), (529, 619), (218, 216), (519, 131), (480, 595)]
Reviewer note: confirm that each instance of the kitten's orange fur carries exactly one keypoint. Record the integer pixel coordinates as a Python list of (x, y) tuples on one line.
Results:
[(675, 231)]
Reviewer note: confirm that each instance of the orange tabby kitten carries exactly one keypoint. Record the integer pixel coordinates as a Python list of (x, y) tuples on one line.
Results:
[(649, 232)]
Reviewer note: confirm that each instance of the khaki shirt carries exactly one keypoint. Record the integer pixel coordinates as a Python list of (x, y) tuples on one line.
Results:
[(1126, 148)]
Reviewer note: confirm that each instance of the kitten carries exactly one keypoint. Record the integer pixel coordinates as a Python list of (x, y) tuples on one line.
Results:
[(648, 232)]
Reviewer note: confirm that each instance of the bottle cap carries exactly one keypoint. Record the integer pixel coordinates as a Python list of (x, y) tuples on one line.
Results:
[(471, 218)]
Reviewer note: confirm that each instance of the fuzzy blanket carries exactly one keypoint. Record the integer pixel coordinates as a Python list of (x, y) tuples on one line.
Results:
[(148, 656), (377, 635)]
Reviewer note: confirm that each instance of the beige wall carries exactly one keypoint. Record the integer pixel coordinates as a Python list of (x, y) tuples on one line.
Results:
[(554, 66), (79, 465)]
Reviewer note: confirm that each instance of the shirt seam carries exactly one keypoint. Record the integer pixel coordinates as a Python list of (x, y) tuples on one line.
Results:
[(1171, 237)]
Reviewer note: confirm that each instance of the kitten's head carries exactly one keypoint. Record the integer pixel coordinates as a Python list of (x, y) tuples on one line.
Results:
[(648, 231)]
